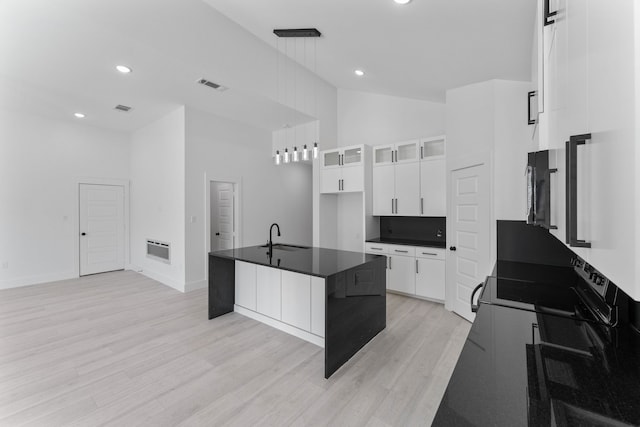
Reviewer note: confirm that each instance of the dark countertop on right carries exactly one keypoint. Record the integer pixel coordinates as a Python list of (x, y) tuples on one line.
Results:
[(521, 368), (409, 242)]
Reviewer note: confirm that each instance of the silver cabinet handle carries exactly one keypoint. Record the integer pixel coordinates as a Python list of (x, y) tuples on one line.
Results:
[(389, 263), (376, 249), (421, 206), (429, 253), (421, 152), (416, 266), (392, 206), (396, 206), (402, 252)]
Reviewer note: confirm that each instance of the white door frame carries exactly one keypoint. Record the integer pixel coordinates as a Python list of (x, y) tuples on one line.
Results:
[(76, 218), (452, 166), (237, 205)]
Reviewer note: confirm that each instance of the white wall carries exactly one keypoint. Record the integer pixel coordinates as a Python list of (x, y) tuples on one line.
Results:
[(158, 196), (368, 118), (220, 149), (487, 121), (41, 162)]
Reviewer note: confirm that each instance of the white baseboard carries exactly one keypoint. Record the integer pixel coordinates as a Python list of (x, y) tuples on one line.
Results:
[(159, 277), (35, 280), (284, 327), (196, 284)]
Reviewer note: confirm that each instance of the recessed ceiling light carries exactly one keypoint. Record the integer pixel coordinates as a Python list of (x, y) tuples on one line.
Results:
[(79, 115), (402, 1), (359, 73), (123, 69)]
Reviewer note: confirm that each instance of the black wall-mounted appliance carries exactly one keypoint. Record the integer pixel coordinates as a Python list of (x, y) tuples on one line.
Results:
[(539, 189)]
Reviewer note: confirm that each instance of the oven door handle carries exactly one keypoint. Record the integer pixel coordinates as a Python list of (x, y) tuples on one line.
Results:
[(474, 307)]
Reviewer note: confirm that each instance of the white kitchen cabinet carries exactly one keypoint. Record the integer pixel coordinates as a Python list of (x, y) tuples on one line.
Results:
[(268, 294), (342, 170), (352, 179), (245, 292), (384, 190), (430, 274), (433, 187), (318, 295), (591, 70), (401, 275), (296, 300), (399, 187), (413, 270), (407, 189)]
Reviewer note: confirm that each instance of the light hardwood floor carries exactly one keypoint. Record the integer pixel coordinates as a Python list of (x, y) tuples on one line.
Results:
[(121, 349)]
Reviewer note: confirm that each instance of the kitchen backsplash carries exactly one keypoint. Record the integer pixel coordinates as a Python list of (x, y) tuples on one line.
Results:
[(413, 228)]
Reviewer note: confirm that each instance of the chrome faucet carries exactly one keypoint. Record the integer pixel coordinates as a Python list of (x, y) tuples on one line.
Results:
[(271, 238)]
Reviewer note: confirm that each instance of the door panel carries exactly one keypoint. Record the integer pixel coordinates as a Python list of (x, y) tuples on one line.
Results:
[(407, 189), (402, 276), (383, 189), (430, 278), (470, 225), (225, 216), (329, 180), (352, 178), (433, 187), (102, 222)]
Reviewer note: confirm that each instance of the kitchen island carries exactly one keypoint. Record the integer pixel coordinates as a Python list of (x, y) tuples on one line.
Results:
[(334, 299)]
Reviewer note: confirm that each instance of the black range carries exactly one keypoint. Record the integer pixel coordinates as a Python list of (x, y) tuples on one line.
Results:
[(551, 343)]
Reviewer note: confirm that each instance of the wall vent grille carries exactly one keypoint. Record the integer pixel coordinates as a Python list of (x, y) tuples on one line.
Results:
[(212, 85), (160, 251)]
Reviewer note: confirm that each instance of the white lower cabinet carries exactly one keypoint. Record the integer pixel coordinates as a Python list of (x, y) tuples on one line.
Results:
[(400, 274), (269, 295), (413, 270), (246, 285), (430, 278), (296, 300), (292, 302)]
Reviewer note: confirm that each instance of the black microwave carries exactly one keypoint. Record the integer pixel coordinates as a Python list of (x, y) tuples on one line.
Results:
[(539, 189)]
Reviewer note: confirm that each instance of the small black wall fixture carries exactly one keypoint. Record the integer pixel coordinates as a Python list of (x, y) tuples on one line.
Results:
[(572, 190), (297, 32), (548, 14), (530, 96)]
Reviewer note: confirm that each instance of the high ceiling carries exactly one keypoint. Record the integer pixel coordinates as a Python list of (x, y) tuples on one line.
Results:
[(57, 57), (418, 50)]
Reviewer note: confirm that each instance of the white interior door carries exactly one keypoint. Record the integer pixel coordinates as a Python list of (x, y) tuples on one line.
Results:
[(223, 227), (467, 265), (101, 228)]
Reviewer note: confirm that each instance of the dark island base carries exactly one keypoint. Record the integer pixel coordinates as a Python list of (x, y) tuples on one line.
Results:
[(356, 311), (355, 305)]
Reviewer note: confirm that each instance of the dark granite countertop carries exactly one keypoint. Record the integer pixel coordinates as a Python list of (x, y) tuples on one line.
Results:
[(409, 242), (313, 261), (520, 368)]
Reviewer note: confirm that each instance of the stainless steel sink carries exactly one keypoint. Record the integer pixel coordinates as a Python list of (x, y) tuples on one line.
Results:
[(285, 247)]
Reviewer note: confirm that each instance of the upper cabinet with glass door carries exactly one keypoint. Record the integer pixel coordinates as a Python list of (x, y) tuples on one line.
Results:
[(400, 152), (432, 148), (342, 169), (348, 156)]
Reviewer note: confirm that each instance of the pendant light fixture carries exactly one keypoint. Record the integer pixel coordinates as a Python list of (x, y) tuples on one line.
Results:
[(295, 34)]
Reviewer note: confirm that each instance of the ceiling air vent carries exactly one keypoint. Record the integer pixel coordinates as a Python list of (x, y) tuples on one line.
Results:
[(212, 85), (123, 108)]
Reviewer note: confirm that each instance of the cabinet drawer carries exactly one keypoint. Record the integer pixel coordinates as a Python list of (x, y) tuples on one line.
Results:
[(435, 253), (402, 250), (376, 248)]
